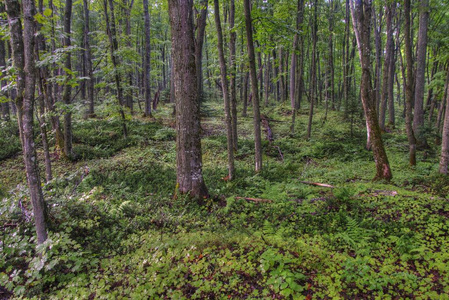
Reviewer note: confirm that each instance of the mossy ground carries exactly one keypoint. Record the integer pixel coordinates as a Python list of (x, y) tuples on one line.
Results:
[(116, 231)]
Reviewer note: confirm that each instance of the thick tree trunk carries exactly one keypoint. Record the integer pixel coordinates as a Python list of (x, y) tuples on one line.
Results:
[(22, 44), (224, 84), (418, 116), (254, 86), (188, 140), (409, 85), (88, 61), (67, 92), (147, 60), (361, 17)]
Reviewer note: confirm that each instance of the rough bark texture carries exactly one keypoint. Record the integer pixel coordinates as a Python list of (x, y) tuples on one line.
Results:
[(418, 116), (188, 141), (147, 60), (88, 61), (22, 44), (67, 92), (254, 86), (444, 160), (224, 84), (409, 85), (361, 16)]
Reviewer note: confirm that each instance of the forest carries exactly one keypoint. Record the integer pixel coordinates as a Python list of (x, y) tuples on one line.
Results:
[(224, 149)]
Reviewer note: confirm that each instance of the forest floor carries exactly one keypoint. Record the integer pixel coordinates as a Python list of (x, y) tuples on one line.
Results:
[(117, 231)]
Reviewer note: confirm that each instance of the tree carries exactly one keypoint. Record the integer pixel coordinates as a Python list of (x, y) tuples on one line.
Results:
[(254, 87), (147, 60), (444, 159), (224, 84), (188, 141), (113, 47), (66, 95), (88, 60), (22, 45), (361, 20), (418, 116)]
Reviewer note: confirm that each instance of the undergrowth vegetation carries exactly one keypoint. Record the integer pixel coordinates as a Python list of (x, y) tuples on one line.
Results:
[(117, 231)]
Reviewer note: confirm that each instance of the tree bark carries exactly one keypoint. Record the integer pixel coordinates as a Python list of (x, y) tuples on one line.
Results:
[(66, 94), (224, 84), (113, 47), (313, 68), (199, 41), (88, 61), (147, 60), (418, 116), (188, 141), (232, 86), (387, 70), (254, 86), (444, 159), (361, 18), (22, 44), (409, 85)]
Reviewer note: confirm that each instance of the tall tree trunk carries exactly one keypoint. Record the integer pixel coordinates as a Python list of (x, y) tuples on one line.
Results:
[(444, 159), (22, 44), (392, 72), (331, 81), (254, 87), (361, 18), (5, 105), (378, 43), (418, 116), (232, 85), (147, 60), (112, 34), (129, 91), (67, 92), (346, 65), (224, 84), (387, 74), (188, 140), (199, 41), (409, 84), (88, 61), (313, 68)]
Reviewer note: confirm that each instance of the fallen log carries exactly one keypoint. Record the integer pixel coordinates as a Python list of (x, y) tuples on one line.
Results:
[(318, 184), (254, 199)]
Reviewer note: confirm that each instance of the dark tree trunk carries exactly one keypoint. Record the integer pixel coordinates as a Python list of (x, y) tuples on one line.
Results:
[(88, 61), (418, 116), (188, 140), (409, 84), (331, 71), (361, 18), (224, 84), (67, 92), (254, 86), (22, 44), (245, 94), (147, 60), (346, 65), (378, 43)]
